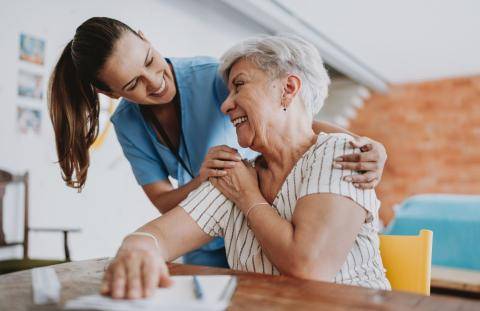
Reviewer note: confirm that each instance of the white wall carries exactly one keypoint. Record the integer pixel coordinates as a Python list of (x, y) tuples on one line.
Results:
[(111, 204)]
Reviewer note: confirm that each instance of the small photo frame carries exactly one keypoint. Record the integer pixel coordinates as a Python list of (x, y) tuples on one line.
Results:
[(32, 49), (30, 84), (29, 120)]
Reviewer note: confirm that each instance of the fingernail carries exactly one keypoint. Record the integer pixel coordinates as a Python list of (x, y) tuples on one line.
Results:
[(348, 179), (336, 165), (339, 159), (104, 288), (238, 158)]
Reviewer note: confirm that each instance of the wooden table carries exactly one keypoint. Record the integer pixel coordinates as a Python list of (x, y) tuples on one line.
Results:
[(254, 291)]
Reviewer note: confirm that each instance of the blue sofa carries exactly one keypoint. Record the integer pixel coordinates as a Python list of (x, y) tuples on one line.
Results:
[(455, 222)]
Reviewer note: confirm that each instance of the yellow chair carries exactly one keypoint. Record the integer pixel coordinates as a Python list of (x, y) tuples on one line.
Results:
[(408, 261)]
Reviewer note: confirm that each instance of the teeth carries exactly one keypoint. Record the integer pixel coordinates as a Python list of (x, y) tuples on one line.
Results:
[(239, 121), (161, 88)]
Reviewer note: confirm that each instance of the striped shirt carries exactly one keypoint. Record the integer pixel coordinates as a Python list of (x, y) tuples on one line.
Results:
[(313, 173)]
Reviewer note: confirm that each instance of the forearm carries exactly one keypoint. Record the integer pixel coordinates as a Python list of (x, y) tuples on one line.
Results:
[(176, 233), (276, 237), (322, 126), (167, 200)]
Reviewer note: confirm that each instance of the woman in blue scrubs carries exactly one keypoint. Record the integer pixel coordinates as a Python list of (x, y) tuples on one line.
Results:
[(168, 122)]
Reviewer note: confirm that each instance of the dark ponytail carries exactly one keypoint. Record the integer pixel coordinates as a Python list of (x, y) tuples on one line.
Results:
[(73, 101)]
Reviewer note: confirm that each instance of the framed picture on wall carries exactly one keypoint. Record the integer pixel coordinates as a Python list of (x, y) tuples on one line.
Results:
[(30, 84), (29, 120), (32, 49)]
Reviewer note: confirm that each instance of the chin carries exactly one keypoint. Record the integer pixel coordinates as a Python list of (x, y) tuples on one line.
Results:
[(245, 142), (245, 137), (167, 98), (170, 95)]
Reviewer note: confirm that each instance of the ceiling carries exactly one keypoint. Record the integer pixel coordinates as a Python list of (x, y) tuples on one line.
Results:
[(401, 41)]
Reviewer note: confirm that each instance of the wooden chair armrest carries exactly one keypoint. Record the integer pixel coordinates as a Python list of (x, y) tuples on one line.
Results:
[(65, 232), (38, 229)]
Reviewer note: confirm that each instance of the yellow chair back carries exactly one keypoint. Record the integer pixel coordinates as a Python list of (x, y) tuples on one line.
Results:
[(408, 261)]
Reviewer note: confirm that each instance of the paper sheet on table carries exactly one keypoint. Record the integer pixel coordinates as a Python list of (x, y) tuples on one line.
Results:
[(217, 291)]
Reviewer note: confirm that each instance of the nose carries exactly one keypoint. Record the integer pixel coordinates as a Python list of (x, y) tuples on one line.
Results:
[(228, 104), (153, 80)]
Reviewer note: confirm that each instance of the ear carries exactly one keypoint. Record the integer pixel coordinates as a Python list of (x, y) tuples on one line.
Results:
[(291, 87), (142, 35), (107, 93)]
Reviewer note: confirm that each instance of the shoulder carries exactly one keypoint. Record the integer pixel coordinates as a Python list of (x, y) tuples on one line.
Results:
[(319, 159), (128, 122), (126, 116), (319, 175), (200, 72), (331, 144), (197, 63)]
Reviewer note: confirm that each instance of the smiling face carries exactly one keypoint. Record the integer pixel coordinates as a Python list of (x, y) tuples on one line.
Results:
[(137, 72), (254, 104)]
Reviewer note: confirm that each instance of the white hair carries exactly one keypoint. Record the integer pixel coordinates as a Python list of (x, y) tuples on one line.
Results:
[(284, 54)]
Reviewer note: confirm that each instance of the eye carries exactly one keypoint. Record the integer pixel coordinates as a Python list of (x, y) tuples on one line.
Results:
[(150, 62), (133, 86), (237, 84)]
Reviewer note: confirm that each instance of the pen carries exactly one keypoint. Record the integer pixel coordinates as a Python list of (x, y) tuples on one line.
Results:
[(197, 288)]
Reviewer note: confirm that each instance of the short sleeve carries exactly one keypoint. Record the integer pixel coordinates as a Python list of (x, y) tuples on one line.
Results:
[(146, 168), (209, 208), (319, 175)]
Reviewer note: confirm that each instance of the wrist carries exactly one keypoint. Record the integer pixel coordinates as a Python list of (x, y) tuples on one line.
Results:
[(248, 201), (140, 240), (193, 184), (197, 181)]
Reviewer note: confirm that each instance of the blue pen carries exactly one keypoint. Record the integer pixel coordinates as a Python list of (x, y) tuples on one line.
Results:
[(197, 288)]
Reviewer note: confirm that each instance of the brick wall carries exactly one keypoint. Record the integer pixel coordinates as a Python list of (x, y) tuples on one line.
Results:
[(432, 134)]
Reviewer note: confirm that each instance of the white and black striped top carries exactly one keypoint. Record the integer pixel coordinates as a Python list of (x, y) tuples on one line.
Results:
[(313, 173)]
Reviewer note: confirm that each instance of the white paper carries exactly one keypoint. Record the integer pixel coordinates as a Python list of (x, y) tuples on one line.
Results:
[(45, 284), (217, 291)]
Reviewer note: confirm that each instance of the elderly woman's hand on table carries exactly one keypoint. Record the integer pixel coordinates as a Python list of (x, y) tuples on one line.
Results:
[(135, 272)]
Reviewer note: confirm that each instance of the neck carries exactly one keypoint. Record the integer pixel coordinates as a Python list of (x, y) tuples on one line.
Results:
[(168, 109), (286, 147)]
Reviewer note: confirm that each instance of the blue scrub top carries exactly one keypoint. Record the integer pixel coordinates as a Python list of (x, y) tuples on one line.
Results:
[(202, 91)]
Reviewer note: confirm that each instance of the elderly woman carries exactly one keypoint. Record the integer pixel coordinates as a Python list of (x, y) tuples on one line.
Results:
[(288, 212)]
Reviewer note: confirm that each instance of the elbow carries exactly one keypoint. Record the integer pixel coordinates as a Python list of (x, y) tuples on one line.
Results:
[(303, 266), (306, 266)]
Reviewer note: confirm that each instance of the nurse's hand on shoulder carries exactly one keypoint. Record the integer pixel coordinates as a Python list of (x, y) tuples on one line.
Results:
[(217, 160), (136, 270), (369, 163)]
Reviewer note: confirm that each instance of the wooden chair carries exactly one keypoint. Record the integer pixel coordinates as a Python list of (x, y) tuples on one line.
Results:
[(6, 266), (408, 261)]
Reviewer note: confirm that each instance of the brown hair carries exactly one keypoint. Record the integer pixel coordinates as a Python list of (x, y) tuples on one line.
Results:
[(72, 98)]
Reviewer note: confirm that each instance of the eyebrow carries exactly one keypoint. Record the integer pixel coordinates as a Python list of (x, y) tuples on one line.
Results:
[(144, 63)]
